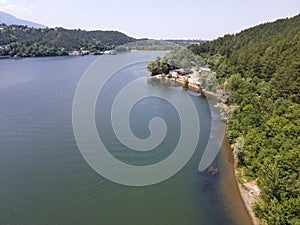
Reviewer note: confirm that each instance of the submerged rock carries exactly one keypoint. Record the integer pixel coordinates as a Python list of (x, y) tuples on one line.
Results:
[(212, 170)]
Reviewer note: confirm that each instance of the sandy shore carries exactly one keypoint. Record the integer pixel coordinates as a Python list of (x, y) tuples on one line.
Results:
[(249, 192)]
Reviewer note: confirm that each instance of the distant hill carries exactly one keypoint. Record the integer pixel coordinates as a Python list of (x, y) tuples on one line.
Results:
[(158, 45), (23, 41), (185, 42), (149, 45), (10, 20)]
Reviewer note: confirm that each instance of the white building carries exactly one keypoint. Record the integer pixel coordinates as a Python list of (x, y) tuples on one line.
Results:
[(74, 53), (204, 70)]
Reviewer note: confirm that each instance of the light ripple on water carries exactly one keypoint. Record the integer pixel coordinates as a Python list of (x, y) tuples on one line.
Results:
[(45, 180)]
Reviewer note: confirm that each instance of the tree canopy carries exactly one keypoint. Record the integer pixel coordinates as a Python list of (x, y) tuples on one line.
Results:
[(178, 58), (23, 41), (259, 69)]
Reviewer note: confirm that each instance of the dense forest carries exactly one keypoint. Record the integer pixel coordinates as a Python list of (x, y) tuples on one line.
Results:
[(179, 58), (22, 41), (259, 72)]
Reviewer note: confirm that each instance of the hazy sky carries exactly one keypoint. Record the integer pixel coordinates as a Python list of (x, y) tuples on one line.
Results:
[(193, 19)]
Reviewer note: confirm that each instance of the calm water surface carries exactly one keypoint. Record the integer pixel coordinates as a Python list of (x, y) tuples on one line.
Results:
[(44, 179)]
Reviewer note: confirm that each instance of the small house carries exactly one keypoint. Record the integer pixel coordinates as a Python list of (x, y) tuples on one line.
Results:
[(178, 72), (204, 71)]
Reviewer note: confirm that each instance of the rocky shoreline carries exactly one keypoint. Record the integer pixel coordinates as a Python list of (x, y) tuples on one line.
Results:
[(249, 192)]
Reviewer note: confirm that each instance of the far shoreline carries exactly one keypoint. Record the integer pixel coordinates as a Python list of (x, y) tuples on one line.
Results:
[(44, 56)]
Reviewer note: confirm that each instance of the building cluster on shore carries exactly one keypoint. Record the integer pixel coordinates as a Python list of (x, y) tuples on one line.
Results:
[(188, 79), (83, 51)]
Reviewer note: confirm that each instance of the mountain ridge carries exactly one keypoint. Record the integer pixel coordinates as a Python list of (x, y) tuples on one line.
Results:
[(8, 19)]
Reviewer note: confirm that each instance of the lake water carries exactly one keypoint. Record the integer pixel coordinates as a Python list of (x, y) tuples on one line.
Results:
[(45, 180)]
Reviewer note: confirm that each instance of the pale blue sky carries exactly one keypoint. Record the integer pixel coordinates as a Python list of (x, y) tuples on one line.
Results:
[(194, 19)]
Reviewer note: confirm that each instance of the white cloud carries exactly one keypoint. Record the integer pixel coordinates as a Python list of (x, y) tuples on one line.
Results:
[(16, 10), (7, 6), (27, 8), (3, 1)]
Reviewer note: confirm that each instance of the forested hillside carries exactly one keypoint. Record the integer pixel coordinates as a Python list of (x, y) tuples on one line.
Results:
[(259, 69), (22, 41)]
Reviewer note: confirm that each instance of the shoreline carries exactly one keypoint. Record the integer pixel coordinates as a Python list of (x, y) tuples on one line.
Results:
[(229, 188), (67, 55), (248, 192)]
